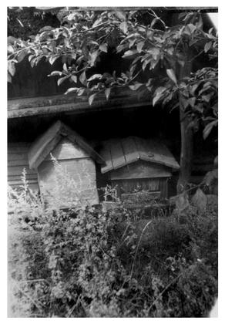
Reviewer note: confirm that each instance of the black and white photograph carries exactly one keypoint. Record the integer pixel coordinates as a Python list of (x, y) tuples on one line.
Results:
[(112, 161)]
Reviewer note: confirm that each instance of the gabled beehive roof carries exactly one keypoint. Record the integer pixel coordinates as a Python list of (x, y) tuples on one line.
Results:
[(47, 142), (120, 152)]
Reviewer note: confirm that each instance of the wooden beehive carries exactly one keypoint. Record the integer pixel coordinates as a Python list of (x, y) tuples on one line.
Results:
[(75, 157), (139, 168)]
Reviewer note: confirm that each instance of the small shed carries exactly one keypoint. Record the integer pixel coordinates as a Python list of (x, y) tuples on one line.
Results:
[(74, 155), (139, 168)]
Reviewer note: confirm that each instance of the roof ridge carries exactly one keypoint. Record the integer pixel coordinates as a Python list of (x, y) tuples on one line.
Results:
[(45, 143)]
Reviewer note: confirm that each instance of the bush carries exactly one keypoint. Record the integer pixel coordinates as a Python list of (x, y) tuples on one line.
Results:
[(86, 262)]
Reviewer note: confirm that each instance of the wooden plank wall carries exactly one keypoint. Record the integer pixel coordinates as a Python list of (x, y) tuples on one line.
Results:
[(120, 152), (153, 185), (80, 181), (17, 161), (140, 170)]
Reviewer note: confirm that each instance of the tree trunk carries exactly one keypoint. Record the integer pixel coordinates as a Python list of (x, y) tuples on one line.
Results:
[(186, 154)]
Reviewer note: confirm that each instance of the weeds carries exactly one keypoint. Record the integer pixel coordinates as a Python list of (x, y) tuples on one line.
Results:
[(85, 262)]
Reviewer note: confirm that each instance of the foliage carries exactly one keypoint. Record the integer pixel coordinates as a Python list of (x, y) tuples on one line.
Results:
[(156, 55), (84, 262), (23, 22)]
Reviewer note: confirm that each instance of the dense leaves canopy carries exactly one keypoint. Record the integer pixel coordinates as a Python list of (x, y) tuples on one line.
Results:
[(156, 56)]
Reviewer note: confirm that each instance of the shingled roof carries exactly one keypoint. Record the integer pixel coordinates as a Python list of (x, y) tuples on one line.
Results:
[(120, 152), (40, 149)]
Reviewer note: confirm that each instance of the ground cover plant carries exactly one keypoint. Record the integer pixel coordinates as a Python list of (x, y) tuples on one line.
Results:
[(86, 262)]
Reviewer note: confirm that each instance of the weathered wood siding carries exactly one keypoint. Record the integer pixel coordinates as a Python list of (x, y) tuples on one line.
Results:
[(151, 185), (118, 153), (17, 161), (140, 170), (81, 171), (140, 197), (66, 150)]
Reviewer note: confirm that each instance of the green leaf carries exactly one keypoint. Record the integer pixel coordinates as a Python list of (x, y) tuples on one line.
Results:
[(123, 26), (121, 47), (181, 62), (121, 15), (155, 52), (71, 90), (55, 73), (135, 86), (194, 88), (11, 40), (154, 21), (140, 46), (45, 29), (91, 98), (80, 59), (93, 57), (53, 58), (61, 80), (83, 78), (158, 94), (95, 76), (74, 78), (10, 49), (189, 29), (80, 91), (170, 50), (207, 47), (171, 75), (11, 67), (177, 105), (65, 67), (9, 77), (132, 42), (149, 82), (146, 62), (184, 102), (168, 98), (153, 64), (192, 101), (129, 53), (211, 176), (208, 128), (97, 22), (107, 93), (208, 97), (21, 55), (103, 48)]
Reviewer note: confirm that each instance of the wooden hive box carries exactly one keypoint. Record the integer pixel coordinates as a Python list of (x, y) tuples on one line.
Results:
[(73, 174), (139, 168)]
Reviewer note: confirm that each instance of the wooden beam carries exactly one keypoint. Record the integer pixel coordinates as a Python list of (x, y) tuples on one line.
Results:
[(24, 107), (74, 108)]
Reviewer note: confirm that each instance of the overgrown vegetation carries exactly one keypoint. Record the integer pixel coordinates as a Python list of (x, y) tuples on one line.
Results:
[(84, 262)]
